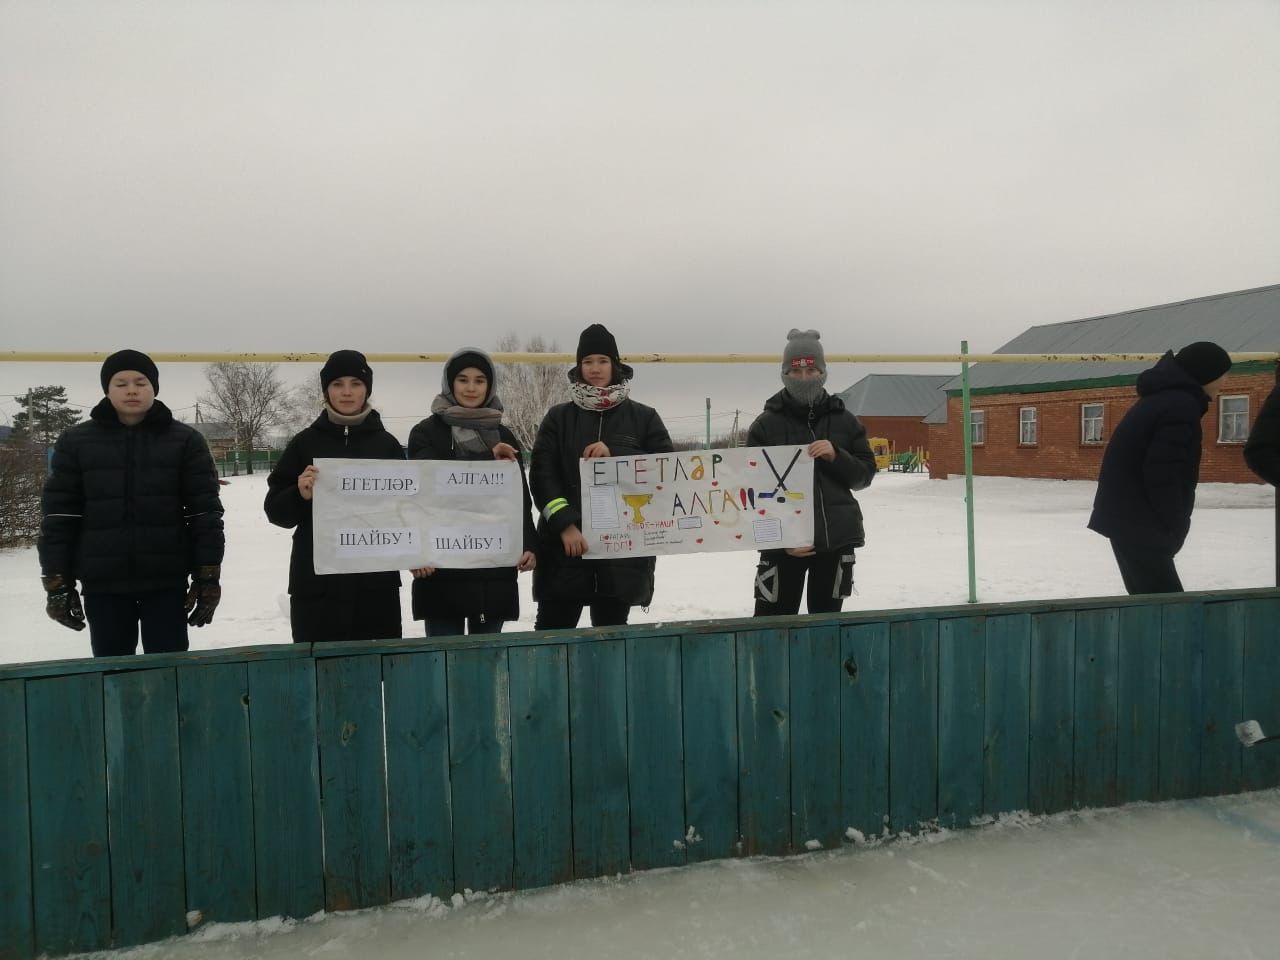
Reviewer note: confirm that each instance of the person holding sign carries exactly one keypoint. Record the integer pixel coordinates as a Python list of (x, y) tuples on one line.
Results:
[(130, 508), (601, 420), (347, 606), (466, 424), (804, 413)]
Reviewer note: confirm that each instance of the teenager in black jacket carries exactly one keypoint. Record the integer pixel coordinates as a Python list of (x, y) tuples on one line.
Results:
[(600, 421), (1147, 484), (344, 606), (804, 413), (466, 424), (131, 508)]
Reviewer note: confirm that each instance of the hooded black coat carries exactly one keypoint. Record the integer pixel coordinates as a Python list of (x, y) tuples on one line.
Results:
[(1262, 450), (334, 597), (1147, 484), (837, 521), (130, 509), (488, 591), (628, 429)]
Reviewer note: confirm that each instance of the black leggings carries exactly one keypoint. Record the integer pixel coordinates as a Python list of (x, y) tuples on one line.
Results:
[(1145, 570), (114, 619), (560, 614)]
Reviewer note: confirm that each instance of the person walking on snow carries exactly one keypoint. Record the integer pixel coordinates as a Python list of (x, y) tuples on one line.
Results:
[(130, 509), (804, 413), (466, 424), (1147, 483), (601, 420), (342, 606)]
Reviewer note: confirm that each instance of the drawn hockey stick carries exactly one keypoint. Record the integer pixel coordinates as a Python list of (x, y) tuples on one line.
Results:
[(1250, 733)]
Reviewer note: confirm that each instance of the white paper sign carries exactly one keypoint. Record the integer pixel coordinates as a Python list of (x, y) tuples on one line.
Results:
[(373, 515), (696, 501)]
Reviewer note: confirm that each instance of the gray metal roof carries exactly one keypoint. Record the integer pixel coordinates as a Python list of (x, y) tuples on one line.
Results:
[(895, 394), (1243, 321), (214, 431)]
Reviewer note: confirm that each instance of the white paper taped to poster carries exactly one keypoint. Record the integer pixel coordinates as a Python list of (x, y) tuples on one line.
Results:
[(697, 501), (375, 515)]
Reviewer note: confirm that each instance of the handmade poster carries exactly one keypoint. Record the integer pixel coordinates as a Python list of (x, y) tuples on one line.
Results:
[(697, 501), (371, 515)]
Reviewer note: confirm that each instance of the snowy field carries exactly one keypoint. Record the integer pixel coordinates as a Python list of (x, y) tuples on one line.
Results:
[(1195, 879), (1031, 544)]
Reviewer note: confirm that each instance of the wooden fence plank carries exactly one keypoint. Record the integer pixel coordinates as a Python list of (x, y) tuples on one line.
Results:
[(962, 657), (764, 742), (597, 729), (1138, 704), (217, 791), (144, 806), (913, 724), (17, 924), (1008, 679), (1181, 700), (419, 813), (1220, 750), (655, 752), (709, 671), (353, 782), (540, 789), (1261, 765), (67, 762), (287, 842), (1094, 782), (864, 728), (480, 768), (1051, 724), (815, 669)]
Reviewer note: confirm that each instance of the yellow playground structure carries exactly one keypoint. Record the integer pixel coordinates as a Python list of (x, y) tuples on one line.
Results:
[(913, 460)]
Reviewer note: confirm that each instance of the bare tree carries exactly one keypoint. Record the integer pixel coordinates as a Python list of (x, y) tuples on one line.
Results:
[(528, 390), (22, 474), (250, 397)]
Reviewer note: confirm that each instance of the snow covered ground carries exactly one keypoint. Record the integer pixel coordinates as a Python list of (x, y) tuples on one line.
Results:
[(1195, 879), (1180, 881), (1031, 544)]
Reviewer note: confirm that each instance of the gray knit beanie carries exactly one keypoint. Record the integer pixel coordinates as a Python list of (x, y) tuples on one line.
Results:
[(802, 351)]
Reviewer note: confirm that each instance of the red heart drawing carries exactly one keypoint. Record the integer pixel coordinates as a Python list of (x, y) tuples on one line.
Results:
[(716, 522), (762, 511), (799, 511), (751, 463), (737, 536), (658, 486), (699, 540), (715, 483)]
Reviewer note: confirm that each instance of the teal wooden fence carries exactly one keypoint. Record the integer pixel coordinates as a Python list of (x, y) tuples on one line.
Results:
[(141, 795)]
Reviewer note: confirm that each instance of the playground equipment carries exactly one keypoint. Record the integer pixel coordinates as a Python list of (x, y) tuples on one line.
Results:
[(883, 451)]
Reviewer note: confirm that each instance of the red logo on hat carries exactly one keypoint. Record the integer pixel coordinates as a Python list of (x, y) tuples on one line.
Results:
[(803, 362)]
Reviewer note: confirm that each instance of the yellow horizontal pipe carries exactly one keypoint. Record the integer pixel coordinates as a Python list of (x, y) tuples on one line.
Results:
[(53, 356)]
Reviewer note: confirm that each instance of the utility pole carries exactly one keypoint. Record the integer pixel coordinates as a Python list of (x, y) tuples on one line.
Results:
[(707, 444), (734, 432)]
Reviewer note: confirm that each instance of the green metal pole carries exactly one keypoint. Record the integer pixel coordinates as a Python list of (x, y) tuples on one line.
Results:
[(707, 445), (968, 469)]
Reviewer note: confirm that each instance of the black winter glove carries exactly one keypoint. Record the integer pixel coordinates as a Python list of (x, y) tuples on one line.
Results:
[(203, 597), (62, 603)]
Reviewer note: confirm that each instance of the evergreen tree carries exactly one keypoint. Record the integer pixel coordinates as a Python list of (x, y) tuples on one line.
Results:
[(44, 415)]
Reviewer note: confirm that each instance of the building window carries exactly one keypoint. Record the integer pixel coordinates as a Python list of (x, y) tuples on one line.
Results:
[(978, 427), (1091, 422), (1027, 426), (1233, 419)]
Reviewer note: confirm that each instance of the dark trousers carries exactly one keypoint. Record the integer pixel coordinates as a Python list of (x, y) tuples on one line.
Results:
[(114, 619), (557, 614), (460, 626), (346, 615), (780, 581), (1145, 570)]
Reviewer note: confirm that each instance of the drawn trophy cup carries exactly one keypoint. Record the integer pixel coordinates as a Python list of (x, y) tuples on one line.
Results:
[(635, 501)]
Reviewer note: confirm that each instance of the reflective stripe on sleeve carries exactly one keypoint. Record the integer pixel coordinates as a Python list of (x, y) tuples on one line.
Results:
[(554, 507)]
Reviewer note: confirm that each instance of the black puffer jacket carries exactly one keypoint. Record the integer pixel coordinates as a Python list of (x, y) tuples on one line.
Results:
[(629, 428), (1147, 484), (286, 508), (130, 509), (837, 521), (490, 591), (1262, 451)]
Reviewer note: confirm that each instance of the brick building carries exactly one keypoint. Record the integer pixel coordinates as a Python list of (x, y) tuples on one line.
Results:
[(1053, 420), (894, 406)]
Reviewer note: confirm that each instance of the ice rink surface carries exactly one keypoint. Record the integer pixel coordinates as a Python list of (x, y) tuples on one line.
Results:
[(1187, 880)]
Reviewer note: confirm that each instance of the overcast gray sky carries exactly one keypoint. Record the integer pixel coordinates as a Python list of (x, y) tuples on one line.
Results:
[(698, 176)]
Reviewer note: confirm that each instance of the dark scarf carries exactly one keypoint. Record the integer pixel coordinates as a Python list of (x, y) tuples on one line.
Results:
[(475, 429)]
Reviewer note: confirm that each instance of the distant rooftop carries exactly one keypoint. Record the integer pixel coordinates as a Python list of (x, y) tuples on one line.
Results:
[(895, 394), (214, 431)]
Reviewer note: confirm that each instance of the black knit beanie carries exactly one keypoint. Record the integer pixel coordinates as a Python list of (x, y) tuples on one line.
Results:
[(597, 339), (1205, 361), (468, 358), (129, 360), (346, 363)]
